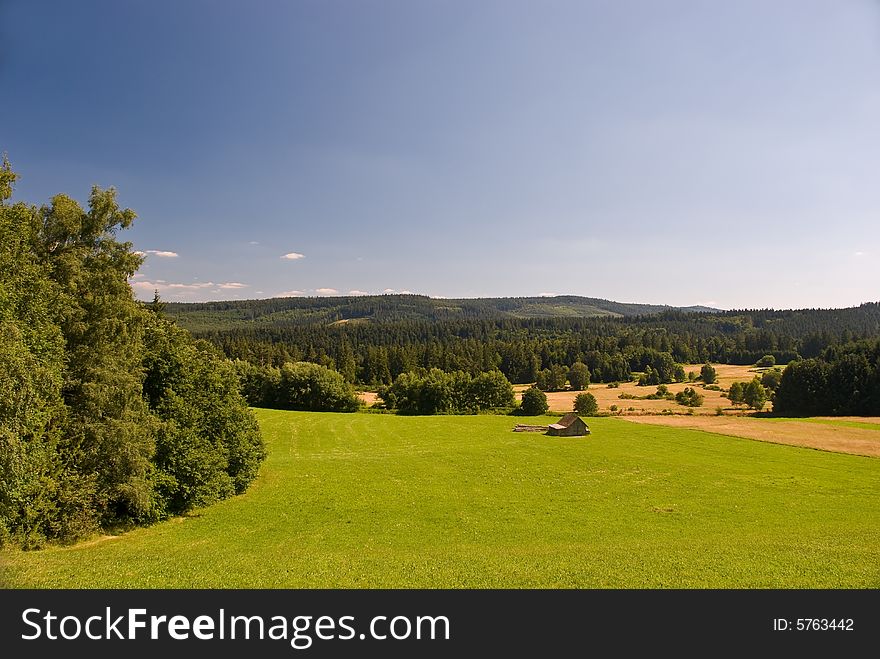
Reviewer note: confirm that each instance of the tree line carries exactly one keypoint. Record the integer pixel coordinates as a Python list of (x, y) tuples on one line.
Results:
[(373, 353), (844, 380), (110, 415)]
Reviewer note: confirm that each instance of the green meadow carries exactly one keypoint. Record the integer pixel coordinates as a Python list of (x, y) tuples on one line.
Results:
[(381, 501)]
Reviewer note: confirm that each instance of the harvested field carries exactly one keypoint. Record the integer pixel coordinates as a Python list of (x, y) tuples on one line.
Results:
[(563, 401), (794, 432), (369, 397)]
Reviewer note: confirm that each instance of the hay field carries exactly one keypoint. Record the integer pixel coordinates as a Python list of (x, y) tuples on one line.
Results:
[(563, 401), (839, 436)]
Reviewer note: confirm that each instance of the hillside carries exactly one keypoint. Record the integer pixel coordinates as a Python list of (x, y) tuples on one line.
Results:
[(385, 308)]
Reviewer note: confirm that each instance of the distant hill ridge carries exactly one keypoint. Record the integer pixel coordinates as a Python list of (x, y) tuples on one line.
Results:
[(387, 308)]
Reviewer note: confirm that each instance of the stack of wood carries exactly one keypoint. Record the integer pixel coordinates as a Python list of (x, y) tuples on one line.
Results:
[(522, 427)]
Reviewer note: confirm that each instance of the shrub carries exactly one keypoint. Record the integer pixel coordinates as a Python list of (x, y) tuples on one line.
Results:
[(586, 404), (534, 402), (708, 374), (689, 397), (316, 388), (766, 361)]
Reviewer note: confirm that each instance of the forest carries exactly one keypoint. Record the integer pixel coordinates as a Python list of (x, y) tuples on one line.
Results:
[(374, 350), (110, 414)]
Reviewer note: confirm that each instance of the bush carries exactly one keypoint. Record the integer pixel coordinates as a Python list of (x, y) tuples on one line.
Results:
[(708, 374), (436, 392), (311, 387), (754, 394), (689, 397), (771, 378), (586, 404), (735, 393), (766, 361), (534, 402)]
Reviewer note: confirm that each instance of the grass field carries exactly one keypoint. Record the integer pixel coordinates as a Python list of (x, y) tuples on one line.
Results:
[(365, 500)]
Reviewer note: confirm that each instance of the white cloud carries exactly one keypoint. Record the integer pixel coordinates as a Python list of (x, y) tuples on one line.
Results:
[(254, 242), (293, 256), (859, 254), (138, 275), (326, 291), (291, 294), (232, 285), (357, 292), (388, 290), (407, 293), (162, 286), (157, 252), (546, 294)]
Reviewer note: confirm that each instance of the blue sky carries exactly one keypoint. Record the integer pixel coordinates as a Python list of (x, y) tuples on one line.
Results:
[(694, 152)]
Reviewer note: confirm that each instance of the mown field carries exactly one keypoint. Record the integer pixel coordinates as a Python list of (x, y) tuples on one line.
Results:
[(364, 500)]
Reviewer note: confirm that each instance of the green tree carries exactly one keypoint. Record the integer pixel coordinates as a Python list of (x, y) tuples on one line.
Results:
[(803, 389), (491, 391), (586, 404), (771, 378), (736, 393), (534, 402), (766, 361), (311, 387), (754, 394), (689, 397), (708, 374), (579, 376)]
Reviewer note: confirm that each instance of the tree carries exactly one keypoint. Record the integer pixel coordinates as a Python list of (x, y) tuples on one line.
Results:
[(490, 391), (736, 393), (542, 380), (803, 389), (579, 376), (689, 397), (109, 415), (754, 394), (766, 361), (558, 377), (311, 387), (534, 402), (586, 404), (678, 373), (708, 374), (771, 378)]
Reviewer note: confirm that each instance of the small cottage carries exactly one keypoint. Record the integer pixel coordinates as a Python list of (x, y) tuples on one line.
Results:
[(571, 425)]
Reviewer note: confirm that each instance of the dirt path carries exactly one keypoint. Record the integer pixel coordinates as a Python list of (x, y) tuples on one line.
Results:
[(858, 441)]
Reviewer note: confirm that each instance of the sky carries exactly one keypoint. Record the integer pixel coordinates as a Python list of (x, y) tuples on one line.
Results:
[(676, 152)]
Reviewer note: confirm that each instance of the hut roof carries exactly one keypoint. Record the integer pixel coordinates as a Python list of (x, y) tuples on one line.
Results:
[(566, 421)]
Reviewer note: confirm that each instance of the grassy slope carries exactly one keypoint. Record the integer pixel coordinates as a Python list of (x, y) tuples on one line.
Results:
[(381, 501)]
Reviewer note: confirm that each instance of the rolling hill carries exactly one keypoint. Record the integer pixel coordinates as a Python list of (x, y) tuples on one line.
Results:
[(384, 308)]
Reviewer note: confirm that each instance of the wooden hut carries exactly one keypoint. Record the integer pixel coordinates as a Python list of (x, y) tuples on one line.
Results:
[(571, 425)]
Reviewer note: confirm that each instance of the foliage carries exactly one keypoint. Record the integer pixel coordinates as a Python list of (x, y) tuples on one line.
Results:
[(437, 392), (315, 388), (754, 394), (534, 402), (735, 394), (766, 361), (586, 404), (90, 419), (553, 378), (708, 374), (689, 397), (771, 378), (579, 376)]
